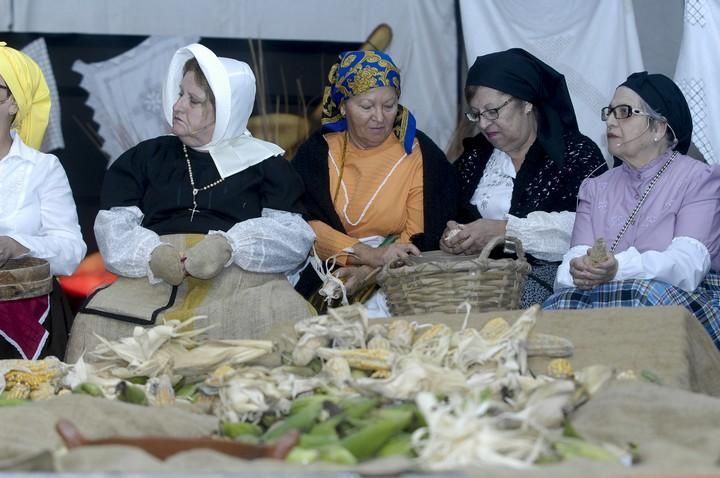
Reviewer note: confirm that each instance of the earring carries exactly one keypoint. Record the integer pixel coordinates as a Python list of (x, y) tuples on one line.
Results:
[(655, 140)]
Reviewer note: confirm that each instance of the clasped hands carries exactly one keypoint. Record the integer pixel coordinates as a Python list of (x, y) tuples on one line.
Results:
[(587, 273), (204, 260), (472, 237)]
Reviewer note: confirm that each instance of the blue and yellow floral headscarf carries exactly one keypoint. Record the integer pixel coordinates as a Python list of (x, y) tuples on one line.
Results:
[(355, 73)]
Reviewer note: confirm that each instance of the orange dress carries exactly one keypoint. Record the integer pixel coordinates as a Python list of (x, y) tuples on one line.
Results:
[(381, 193)]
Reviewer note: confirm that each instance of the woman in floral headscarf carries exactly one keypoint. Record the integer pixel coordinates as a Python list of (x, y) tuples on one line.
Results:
[(370, 174)]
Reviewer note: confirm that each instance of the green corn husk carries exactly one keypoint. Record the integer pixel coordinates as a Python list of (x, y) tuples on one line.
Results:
[(367, 441)]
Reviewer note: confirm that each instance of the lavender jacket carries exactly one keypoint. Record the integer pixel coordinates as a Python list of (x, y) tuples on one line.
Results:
[(685, 202)]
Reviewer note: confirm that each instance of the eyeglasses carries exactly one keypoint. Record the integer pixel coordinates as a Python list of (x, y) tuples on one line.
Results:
[(4, 93), (620, 112), (490, 114)]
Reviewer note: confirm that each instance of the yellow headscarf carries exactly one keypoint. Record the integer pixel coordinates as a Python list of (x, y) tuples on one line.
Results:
[(27, 84)]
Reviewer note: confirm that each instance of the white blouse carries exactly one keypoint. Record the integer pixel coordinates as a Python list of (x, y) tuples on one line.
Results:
[(278, 241), (544, 235), (37, 207)]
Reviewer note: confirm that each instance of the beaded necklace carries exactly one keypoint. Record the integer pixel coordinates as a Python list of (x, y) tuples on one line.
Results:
[(631, 218), (195, 190)]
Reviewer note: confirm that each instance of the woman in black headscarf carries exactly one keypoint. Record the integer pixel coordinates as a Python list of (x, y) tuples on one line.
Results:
[(520, 175)]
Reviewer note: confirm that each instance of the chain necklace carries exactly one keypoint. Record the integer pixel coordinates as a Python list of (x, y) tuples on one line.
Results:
[(195, 190), (631, 218)]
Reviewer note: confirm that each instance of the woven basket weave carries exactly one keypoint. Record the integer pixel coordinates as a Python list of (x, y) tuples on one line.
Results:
[(440, 282)]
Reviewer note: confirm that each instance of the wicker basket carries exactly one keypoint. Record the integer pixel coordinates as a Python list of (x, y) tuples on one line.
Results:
[(439, 282)]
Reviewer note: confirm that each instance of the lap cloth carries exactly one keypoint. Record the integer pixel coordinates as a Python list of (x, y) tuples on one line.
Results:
[(703, 302), (239, 305), (35, 327)]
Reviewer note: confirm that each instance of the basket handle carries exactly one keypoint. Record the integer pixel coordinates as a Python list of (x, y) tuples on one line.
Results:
[(492, 243)]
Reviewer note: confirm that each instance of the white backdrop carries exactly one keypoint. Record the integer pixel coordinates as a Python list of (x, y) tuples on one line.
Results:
[(424, 34), (698, 70)]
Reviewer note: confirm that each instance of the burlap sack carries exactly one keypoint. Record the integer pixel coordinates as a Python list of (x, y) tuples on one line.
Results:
[(240, 304), (676, 432)]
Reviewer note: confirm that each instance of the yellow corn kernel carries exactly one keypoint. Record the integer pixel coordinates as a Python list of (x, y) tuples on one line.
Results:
[(19, 391), (380, 374), (362, 359), (494, 329), (33, 373), (433, 334), (44, 392), (560, 368)]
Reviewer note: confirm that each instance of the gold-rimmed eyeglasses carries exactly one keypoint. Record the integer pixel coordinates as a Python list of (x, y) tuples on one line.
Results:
[(490, 114)]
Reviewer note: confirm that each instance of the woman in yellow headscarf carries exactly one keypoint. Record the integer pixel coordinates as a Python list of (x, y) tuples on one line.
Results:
[(37, 212)]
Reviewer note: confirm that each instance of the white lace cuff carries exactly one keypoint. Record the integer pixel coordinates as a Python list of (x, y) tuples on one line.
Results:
[(544, 235), (124, 244), (279, 241)]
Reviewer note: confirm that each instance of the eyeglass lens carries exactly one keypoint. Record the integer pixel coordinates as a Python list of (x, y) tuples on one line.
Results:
[(489, 114), (619, 111)]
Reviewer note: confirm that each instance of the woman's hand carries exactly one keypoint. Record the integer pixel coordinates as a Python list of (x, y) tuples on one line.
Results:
[(587, 274), (393, 252), (207, 258), (379, 256), (166, 264), (472, 237), (353, 277), (10, 249)]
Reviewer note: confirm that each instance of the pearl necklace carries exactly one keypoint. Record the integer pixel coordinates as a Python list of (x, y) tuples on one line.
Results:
[(631, 218), (195, 190)]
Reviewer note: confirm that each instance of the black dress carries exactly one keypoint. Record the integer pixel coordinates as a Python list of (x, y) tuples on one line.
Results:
[(154, 177)]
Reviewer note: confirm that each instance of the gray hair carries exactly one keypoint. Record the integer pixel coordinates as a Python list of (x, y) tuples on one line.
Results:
[(655, 120)]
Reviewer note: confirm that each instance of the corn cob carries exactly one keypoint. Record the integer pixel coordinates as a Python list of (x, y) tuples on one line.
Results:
[(598, 253), (43, 392), (30, 372), (20, 391), (549, 346), (560, 368), (362, 359), (431, 334), (494, 329)]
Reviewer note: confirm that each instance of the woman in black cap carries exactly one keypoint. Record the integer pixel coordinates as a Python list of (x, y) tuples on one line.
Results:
[(659, 213), (520, 176)]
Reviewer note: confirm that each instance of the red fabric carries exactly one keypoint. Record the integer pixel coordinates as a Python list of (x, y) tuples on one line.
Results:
[(21, 324), (83, 284)]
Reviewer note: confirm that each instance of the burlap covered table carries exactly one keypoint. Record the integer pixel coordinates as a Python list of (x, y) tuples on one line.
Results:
[(676, 429)]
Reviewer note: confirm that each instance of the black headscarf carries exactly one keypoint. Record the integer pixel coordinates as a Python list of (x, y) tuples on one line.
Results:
[(664, 96), (522, 75)]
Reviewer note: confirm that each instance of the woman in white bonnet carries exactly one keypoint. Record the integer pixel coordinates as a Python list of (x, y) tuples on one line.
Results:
[(205, 221)]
